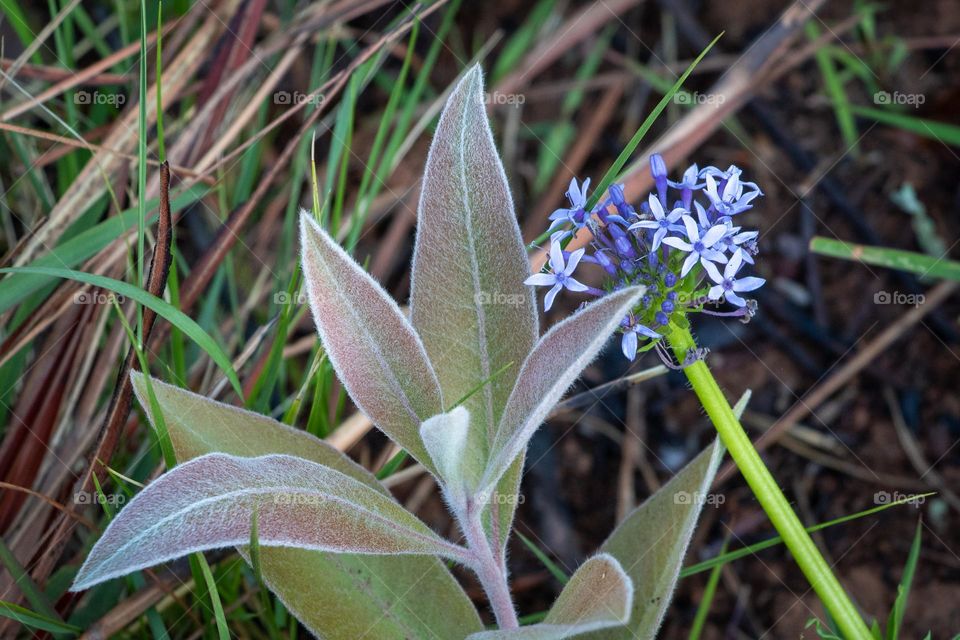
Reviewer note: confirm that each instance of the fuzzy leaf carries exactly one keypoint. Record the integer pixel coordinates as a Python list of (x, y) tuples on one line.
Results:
[(599, 595), (652, 541), (445, 437), (372, 346), (208, 503), (553, 365), (468, 301), (364, 595)]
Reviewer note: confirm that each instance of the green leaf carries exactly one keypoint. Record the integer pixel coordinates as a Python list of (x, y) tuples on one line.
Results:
[(939, 131), (82, 246), (371, 344), (362, 595), (554, 364), (164, 309), (895, 621), (599, 595), (34, 620), (468, 301), (651, 542), (910, 261), (208, 503)]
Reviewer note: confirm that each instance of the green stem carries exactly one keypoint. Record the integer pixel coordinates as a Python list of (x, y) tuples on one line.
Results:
[(768, 493)]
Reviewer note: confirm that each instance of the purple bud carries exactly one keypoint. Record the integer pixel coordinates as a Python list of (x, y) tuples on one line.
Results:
[(666, 306), (661, 318), (670, 279), (658, 169), (645, 301), (671, 295)]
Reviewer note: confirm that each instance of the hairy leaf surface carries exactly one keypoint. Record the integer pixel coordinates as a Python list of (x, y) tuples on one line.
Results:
[(652, 541), (468, 301), (364, 595), (599, 595), (208, 503), (553, 365), (372, 346)]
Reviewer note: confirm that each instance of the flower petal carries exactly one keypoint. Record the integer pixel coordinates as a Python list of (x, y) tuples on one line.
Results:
[(541, 279), (677, 243), (574, 285), (713, 272), (733, 298), (713, 234), (629, 345), (573, 260), (748, 284), (688, 264), (548, 299), (556, 257)]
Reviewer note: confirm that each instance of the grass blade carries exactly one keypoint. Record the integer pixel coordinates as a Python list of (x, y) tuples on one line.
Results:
[(170, 313)]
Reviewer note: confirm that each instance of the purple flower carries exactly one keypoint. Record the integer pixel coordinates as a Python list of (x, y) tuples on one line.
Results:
[(699, 248), (731, 200), (629, 341), (576, 213), (663, 222), (560, 276), (690, 179), (733, 238), (728, 285)]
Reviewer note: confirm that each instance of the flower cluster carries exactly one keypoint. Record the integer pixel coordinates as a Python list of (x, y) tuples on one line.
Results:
[(681, 243)]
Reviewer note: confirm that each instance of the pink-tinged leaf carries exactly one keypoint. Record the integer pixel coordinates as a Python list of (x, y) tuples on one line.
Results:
[(365, 595), (372, 346), (198, 425), (652, 541), (598, 596), (468, 301), (553, 365), (208, 503)]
